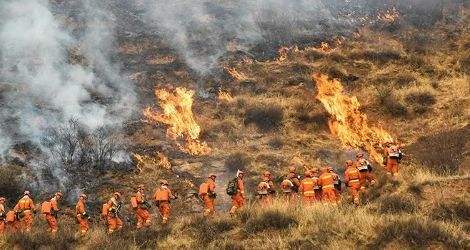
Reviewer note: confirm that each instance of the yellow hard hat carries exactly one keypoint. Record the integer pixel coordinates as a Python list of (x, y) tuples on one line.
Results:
[(164, 182)]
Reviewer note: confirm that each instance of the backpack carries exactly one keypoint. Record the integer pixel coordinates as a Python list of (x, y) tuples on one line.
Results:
[(46, 207), (203, 189), (232, 187), (134, 202)]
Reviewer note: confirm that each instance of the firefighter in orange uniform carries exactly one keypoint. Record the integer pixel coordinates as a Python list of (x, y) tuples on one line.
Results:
[(265, 189), (51, 209), (24, 210), (163, 196), (336, 181), (141, 207), (238, 199), (365, 170), (82, 214), (326, 181), (208, 195), (393, 157), (3, 215), (294, 178), (11, 222), (111, 211), (306, 188), (352, 180), (315, 173)]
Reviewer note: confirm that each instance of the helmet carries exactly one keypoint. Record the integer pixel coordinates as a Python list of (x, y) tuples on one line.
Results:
[(292, 169), (349, 163), (239, 172), (83, 196), (314, 170), (26, 193), (358, 155), (141, 186), (330, 169), (58, 194), (324, 170), (266, 173), (117, 194), (212, 175), (163, 182), (2, 199)]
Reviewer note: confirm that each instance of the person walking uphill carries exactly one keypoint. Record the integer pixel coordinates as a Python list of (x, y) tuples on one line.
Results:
[(306, 188), (141, 207), (236, 189), (326, 181), (24, 210), (352, 180), (82, 214), (208, 195), (163, 196), (111, 211), (393, 156), (50, 209), (365, 171), (265, 189)]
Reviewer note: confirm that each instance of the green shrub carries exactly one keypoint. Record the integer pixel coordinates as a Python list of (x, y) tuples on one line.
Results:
[(421, 101), (390, 103)]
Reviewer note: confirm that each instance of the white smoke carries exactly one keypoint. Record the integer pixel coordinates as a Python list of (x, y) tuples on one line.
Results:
[(41, 87)]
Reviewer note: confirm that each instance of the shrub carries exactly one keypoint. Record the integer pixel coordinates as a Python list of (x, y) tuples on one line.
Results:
[(397, 204), (238, 160), (459, 211), (390, 103), (421, 100), (416, 232), (270, 219), (266, 117), (441, 153), (207, 231), (310, 112), (382, 56), (276, 142), (10, 185), (465, 64)]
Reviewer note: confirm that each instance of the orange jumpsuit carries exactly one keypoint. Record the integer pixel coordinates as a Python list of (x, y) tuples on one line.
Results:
[(26, 207), (12, 224), (352, 179), (80, 209), (266, 191), (287, 188), (326, 181), (114, 222), (142, 213), (2, 219), (365, 173), (51, 217), (307, 190), (209, 198), (238, 199), (392, 154), (162, 197)]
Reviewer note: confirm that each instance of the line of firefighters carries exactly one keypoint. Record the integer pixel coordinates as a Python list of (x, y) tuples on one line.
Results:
[(323, 185)]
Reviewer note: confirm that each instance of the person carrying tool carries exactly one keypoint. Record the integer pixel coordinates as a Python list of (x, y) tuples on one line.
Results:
[(83, 217), (141, 207), (111, 211), (236, 189), (208, 195), (24, 210), (50, 210), (163, 196), (352, 180)]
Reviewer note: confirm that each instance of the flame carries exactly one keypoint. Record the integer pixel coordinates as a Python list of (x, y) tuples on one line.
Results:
[(225, 97), (346, 120), (236, 75), (178, 114)]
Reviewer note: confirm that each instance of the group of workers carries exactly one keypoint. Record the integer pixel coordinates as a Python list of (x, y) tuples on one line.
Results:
[(316, 185)]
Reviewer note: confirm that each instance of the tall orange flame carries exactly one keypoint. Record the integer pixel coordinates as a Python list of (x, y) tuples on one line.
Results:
[(178, 114), (346, 121)]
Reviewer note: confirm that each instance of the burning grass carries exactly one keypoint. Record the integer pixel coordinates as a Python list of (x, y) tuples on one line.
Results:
[(178, 115), (347, 122)]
